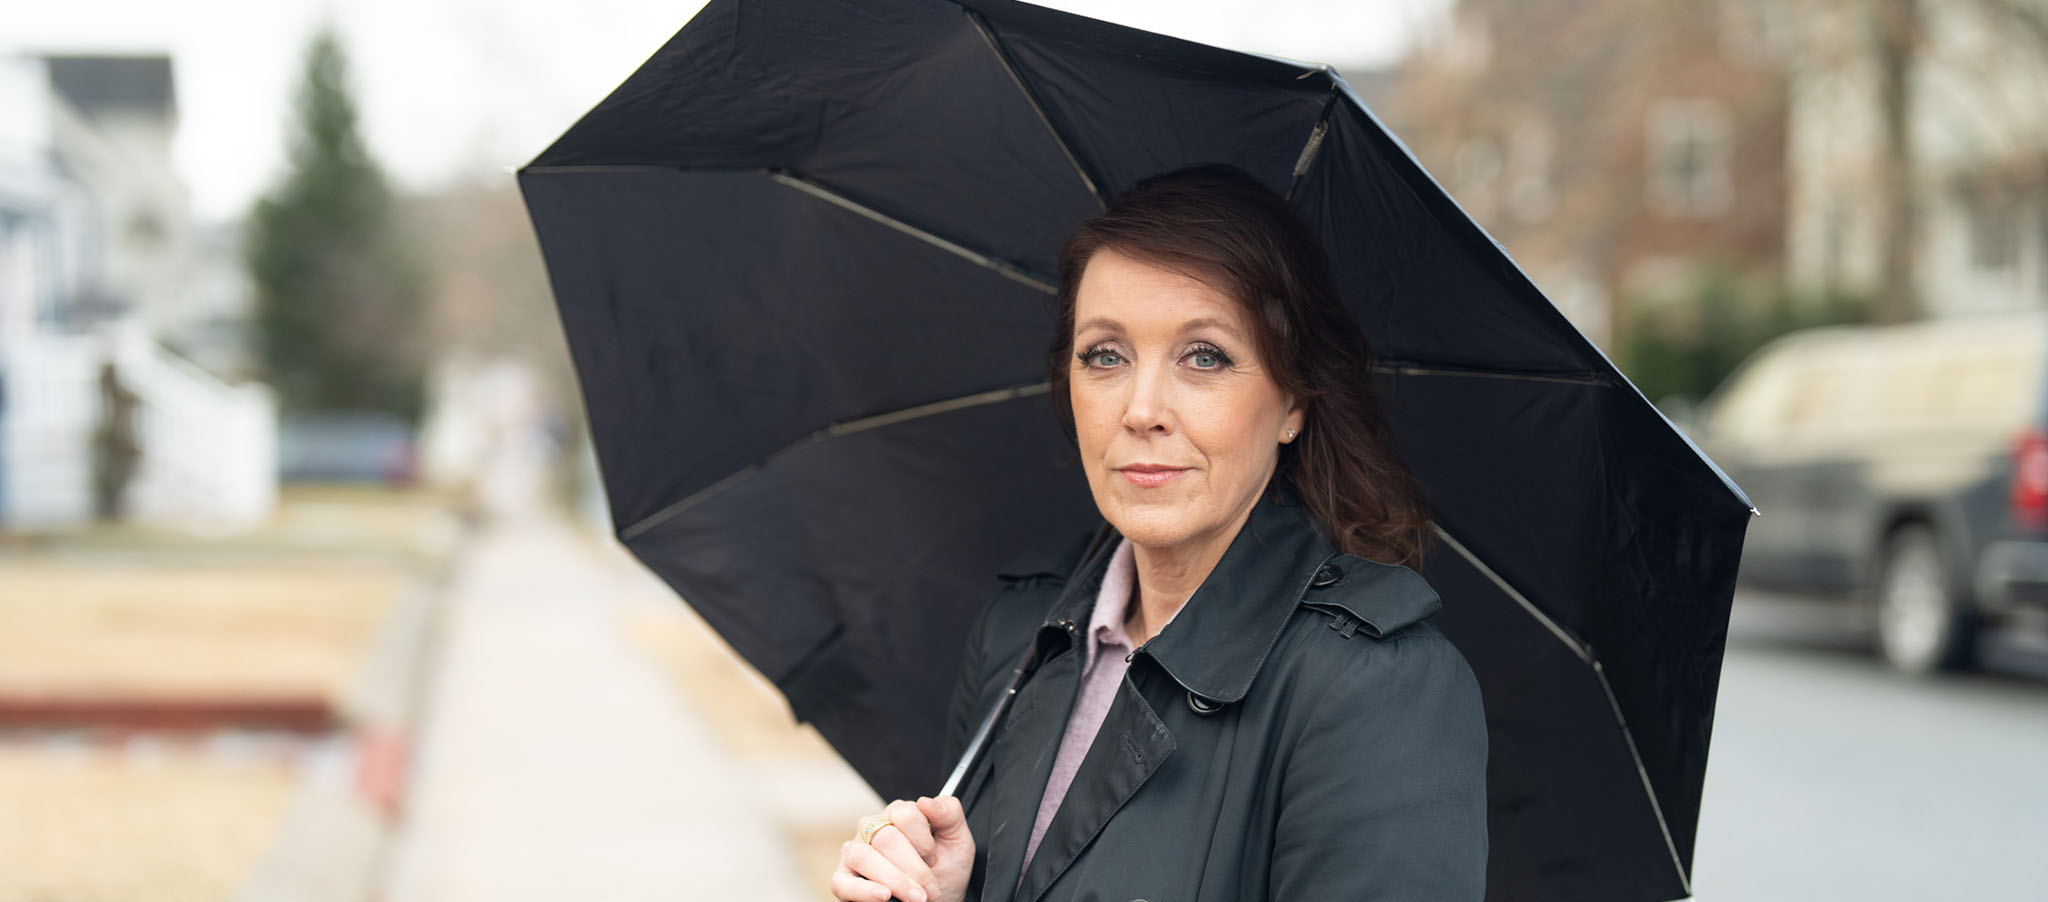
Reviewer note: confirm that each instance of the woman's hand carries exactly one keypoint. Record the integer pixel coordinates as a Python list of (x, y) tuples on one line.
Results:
[(924, 855)]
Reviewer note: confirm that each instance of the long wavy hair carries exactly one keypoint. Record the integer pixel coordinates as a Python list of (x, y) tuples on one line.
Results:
[(1219, 224)]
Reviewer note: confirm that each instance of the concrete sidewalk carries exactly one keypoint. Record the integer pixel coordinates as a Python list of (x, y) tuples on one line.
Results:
[(557, 763)]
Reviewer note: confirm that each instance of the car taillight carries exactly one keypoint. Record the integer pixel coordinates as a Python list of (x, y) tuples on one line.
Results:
[(2030, 481)]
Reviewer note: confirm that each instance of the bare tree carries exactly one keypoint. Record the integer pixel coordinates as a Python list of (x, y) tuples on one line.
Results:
[(1896, 38), (1897, 32)]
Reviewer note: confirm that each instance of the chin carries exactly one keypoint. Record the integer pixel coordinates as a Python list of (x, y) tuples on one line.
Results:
[(1151, 525)]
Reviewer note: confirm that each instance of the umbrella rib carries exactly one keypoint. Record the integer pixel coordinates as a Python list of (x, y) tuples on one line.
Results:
[(1585, 654), (1416, 368), (1031, 97), (1315, 140), (985, 261), (1572, 642), (835, 430), (1643, 774), (971, 255), (936, 407)]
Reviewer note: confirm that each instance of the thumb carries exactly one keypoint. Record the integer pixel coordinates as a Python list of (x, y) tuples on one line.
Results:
[(947, 817)]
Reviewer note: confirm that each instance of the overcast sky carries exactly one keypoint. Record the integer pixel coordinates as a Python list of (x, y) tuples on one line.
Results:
[(454, 89)]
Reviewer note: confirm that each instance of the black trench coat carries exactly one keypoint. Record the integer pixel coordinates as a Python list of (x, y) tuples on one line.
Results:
[(1299, 731)]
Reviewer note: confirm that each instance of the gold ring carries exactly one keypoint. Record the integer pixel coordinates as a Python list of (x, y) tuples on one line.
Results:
[(871, 825)]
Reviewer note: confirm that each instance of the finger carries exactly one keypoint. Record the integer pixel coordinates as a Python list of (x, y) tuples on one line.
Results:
[(947, 819), (910, 820), (850, 887), (869, 862), (847, 882), (891, 843)]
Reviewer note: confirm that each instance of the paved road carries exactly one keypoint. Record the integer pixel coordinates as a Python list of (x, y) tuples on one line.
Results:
[(1832, 778)]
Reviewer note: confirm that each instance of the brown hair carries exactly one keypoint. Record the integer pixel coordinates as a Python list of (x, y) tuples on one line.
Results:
[(1221, 225)]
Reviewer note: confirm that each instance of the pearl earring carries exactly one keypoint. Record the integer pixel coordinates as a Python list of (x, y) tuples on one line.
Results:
[(1290, 433)]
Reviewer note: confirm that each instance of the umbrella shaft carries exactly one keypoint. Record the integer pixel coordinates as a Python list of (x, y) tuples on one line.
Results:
[(988, 725)]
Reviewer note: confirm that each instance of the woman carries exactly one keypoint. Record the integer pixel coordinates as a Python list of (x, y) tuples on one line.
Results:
[(1236, 694)]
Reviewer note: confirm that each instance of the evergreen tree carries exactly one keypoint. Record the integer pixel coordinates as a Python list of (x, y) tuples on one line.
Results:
[(339, 300)]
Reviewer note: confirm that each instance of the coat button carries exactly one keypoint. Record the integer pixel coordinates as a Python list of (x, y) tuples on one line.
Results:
[(1203, 706), (1325, 577)]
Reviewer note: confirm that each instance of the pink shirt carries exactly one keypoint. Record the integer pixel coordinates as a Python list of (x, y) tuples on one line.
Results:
[(1102, 671)]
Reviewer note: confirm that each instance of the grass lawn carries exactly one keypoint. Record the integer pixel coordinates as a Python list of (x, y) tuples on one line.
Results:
[(142, 614), (90, 827), (70, 629), (285, 609)]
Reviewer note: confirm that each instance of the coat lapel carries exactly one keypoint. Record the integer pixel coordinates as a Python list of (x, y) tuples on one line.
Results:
[(1127, 750), (1029, 739), (1025, 746)]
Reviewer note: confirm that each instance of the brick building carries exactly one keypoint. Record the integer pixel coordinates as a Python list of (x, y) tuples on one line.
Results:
[(1618, 148)]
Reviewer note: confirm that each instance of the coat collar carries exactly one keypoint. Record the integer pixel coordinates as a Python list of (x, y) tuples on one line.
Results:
[(1219, 640), (1213, 648)]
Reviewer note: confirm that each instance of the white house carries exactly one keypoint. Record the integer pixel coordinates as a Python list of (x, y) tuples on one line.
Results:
[(1980, 141), (98, 260)]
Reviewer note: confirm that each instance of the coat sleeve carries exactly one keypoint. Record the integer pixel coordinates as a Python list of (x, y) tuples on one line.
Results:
[(1384, 796)]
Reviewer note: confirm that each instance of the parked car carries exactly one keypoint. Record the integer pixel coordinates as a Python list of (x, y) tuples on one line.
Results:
[(1904, 467), (346, 446)]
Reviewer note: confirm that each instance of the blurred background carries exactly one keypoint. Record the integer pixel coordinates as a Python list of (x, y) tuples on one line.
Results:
[(306, 587)]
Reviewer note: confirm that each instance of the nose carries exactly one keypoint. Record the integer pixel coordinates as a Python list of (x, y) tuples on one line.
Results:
[(1150, 406)]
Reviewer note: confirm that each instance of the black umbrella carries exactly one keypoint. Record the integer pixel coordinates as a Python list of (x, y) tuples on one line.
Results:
[(804, 258)]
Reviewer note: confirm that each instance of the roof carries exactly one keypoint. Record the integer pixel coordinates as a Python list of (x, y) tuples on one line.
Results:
[(95, 84)]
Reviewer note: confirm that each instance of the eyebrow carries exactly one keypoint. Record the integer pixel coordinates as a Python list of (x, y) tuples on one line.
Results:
[(1104, 322)]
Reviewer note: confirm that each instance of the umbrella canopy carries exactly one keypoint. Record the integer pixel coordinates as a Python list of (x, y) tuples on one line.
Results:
[(804, 257)]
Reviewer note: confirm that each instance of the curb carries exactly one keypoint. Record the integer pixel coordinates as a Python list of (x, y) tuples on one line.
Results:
[(336, 837)]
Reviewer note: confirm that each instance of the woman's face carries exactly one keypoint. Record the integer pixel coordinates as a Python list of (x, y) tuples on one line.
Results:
[(1179, 424)]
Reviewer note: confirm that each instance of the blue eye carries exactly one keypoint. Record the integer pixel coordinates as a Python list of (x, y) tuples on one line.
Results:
[(1208, 358), (1100, 358)]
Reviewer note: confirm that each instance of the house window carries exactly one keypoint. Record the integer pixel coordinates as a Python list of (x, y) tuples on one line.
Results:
[(1994, 228), (145, 230), (1689, 149)]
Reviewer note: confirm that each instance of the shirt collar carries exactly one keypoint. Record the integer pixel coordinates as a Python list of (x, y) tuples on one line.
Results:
[(1113, 605)]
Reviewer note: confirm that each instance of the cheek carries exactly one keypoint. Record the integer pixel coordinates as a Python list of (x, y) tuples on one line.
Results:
[(1095, 416), (1237, 427)]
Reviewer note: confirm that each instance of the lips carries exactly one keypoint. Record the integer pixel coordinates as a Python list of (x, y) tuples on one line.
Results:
[(1150, 475)]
